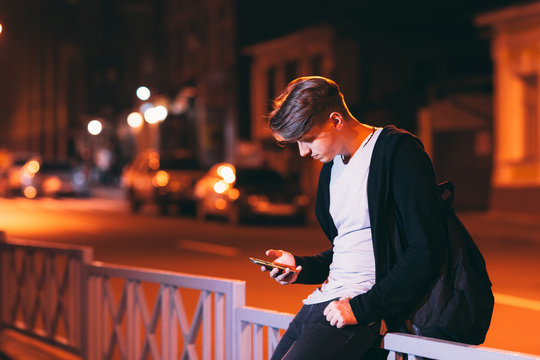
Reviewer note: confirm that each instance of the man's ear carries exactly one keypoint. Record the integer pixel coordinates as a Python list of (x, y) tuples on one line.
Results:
[(337, 120)]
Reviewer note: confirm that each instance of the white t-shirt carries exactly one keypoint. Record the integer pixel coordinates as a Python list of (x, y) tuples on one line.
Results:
[(352, 271)]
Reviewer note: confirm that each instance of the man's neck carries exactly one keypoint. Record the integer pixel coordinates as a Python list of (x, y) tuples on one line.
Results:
[(353, 137)]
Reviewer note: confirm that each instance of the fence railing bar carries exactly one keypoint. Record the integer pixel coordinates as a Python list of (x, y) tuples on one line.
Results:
[(444, 350), (181, 316), (235, 335), (257, 341), (273, 339), (174, 324), (149, 321), (117, 313), (189, 348), (265, 317), (207, 325), (245, 344), (219, 326), (133, 319), (182, 280), (166, 323), (71, 284)]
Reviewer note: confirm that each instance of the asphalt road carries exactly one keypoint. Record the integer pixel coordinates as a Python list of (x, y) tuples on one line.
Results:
[(510, 244)]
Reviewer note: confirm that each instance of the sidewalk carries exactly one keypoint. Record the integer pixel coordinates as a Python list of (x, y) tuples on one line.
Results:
[(14, 346)]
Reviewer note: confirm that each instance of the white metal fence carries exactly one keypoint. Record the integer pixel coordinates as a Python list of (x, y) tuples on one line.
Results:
[(55, 293)]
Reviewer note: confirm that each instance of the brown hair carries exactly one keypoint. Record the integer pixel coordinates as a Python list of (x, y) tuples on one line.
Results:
[(305, 102)]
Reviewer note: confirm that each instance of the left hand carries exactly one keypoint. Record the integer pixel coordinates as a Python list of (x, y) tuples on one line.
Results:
[(339, 313)]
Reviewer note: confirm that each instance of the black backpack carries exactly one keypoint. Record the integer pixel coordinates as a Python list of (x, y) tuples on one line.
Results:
[(460, 303)]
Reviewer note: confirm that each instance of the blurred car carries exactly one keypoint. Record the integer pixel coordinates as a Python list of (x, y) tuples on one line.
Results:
[(12, 171), (242, 193), (164, 178), (52, 178)]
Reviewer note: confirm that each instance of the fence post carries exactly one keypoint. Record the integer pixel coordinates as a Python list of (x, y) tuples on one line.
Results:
[(84, 301), (233, 333)]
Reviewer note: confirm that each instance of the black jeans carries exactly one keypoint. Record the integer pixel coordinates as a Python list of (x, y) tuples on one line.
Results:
[(310, 336)]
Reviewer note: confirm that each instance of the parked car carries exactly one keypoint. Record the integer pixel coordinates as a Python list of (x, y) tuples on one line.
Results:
[(52, 178), (242, 193), (164, 178), (12, 171)]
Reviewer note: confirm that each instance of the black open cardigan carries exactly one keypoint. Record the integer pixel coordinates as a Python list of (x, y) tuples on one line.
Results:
[(403, 203)]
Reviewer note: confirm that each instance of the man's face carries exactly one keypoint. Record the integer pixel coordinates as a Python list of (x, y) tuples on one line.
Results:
[(320, 143)]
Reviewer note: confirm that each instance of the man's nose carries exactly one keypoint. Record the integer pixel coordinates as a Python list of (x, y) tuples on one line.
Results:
[(304, 150)]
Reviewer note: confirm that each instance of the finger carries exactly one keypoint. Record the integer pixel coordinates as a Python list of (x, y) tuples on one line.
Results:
[(329, 318), (274, 273), (274, 253), (327, 310), (334, 321), (282, 275)]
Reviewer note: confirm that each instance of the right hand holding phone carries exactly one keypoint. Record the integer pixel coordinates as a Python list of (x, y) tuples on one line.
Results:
[(283, 257)]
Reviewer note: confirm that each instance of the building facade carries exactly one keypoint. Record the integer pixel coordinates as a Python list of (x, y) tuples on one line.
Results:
[(312, 51), (515, 46)]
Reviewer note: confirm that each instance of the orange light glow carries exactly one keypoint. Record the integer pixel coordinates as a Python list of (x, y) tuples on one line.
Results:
[(161, 178), (220, 187), (253, 200), (234, 194), (227, 173), (153, 161), (302, 200), (30, 192), (32, 167), (52, 185), (135, 119), (220, 204)]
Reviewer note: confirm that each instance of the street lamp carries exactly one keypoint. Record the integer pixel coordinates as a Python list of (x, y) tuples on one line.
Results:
[(95, 127), (135, 119), (143, 93), (156, 114), (0, 28)]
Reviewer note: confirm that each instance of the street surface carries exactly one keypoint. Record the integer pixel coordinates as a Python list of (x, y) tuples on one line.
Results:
[(511, 247)]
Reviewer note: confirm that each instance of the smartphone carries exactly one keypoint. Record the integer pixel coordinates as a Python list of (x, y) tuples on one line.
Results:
[(270, 265)]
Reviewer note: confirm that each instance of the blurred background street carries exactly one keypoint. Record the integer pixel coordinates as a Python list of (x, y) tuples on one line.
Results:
[(137, 128), (215, 248)]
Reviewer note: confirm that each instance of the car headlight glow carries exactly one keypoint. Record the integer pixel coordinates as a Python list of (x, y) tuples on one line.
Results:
[(160, 179), (221, 186), (227, 173), (233, 194), (30, 192), (32, 166)]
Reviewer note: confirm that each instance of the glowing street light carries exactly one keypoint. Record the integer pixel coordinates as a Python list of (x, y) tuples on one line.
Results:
[(95, 127), (135, 119), (161, 112), (155, 114), (143, 93), (0, 28), (150, 115)]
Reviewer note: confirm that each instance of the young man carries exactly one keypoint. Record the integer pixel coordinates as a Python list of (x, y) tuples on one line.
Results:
[(377, 203)]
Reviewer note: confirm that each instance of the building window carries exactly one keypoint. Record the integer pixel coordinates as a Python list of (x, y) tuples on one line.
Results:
[(531, 122), (291, 70), (270, 86), (316, 65)]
